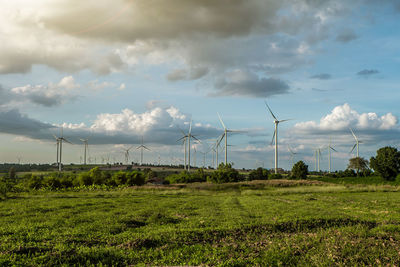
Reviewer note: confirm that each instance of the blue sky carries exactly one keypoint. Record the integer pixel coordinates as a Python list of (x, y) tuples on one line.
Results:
[(117, 71)]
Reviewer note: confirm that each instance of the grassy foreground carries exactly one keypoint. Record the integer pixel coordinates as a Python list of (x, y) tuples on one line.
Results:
[(254, 223)]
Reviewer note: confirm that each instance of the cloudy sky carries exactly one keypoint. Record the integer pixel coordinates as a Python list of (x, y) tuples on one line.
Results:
[(114, 71)]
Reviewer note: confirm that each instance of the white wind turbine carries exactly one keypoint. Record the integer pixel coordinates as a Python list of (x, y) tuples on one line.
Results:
[(184, 138), (225, 135), (187, 138), (276, 121), (329, 149), (141, 147), (292, 155), (126, 152), (60, 140), (356, 144), (86, 149)]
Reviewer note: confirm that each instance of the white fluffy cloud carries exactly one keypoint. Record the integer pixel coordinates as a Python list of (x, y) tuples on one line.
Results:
[(343, 117), (48, 96)]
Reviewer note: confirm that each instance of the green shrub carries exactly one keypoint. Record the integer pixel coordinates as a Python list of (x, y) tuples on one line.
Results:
[(51, 182), (35, 182), (386, 163), (119, 178), (84, 178), (259, 174), (299, 170), (274, 176), (135, 178), (225, 174)]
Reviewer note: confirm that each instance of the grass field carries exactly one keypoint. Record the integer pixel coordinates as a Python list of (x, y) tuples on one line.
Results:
[(254, 223)]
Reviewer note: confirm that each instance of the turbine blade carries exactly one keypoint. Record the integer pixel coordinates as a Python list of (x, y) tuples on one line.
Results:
[(146, 148), (355, 137), (223, 125), (333, 149), (353, 148), (286, 120), (183, 133), (66, 141), (190, 127), (194, 137), (270, 110), (183, 137), (273, 138)]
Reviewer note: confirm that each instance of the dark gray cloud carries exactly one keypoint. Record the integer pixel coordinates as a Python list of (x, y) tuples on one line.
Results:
[(321, 76), (244, 83), (13, 122), (367, 73), (346, 35)]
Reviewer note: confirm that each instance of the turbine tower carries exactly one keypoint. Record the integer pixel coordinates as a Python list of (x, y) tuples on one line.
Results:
[(356, 144), (59, 141), (276, 121), (141, 151), (86, 145)]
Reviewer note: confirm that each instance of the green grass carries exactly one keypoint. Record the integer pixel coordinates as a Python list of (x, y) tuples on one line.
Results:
[(372, 180), (255, 223)]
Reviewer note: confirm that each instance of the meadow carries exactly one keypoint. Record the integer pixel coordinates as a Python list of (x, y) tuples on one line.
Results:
[(273, 222)]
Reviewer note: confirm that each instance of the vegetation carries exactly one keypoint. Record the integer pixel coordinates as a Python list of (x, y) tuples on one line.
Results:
[(274, 222), (299, 170), (258, 174), (386, 163), (358, 164), (225, 174)]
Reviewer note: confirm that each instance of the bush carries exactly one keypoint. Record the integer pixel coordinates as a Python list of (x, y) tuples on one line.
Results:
[(186, 177), (386, 163), (259, 174), (299, 170), (225, 174), (135, 178), (35, 182), (119, 178), (349, 173), (274, 176), (84, 178)]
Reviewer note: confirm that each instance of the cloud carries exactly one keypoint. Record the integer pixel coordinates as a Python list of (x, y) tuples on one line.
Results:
[(244, 83), (343, 117), (47, 96), (157, 125), (346, 36), (321, 76), (122, 87), (367, 73), (97, 85), (193, 73)]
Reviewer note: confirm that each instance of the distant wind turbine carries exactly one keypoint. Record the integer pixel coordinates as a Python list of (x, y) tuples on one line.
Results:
[(276, 121), (292, 155), (126, 152), (356, 144), (86, 149), (225, 135), (60, 140), (141, 147), (329, 149)]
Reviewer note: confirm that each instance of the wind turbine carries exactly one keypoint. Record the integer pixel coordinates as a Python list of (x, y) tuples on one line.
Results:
[(292, 154), (276, 121), (126, 152), (225, 135), (141, 151), (356, 144), (60, 140), (184, 138), (86, 145), (329, 149)]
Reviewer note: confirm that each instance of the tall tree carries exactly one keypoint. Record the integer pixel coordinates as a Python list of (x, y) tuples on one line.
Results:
[(358, 164), (386, 162)]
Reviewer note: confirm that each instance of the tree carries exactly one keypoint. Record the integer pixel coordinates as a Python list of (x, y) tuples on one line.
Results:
[(386, 163), (300, 170), (259, 174), (225, 174), (358, 164)]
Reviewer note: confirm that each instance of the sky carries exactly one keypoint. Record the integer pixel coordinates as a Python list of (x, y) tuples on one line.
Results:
[(117, 71)]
